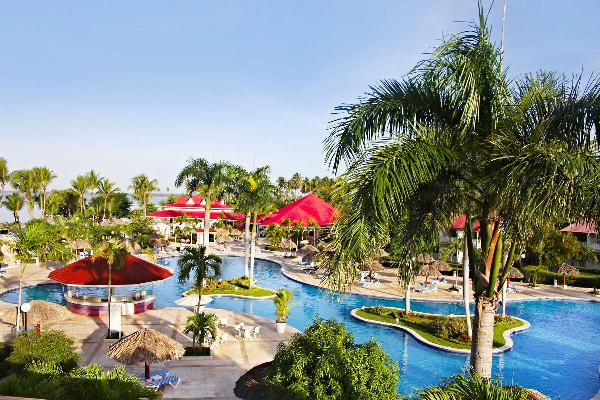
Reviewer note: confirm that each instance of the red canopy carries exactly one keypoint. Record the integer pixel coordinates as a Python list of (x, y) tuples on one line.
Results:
[(303, 210), (459, 224), (196, 214), (88, 272), (580, 227)]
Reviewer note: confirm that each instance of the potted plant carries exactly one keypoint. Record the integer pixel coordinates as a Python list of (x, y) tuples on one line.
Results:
[(282, 308), (200, 325)]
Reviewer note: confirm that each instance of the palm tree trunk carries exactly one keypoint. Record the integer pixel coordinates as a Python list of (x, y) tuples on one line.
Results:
[(104, 209), (206, 233), (30, 206), (483, 336), (252, 248), (466, 283), (407, 298), (17, 219), (109, 299), (247, 244), (199, 298)]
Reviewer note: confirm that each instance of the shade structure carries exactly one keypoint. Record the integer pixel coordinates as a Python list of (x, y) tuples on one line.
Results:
[(79, 244), (229, 216), (429, 270), (515, 273), (160, 242), (304, 210), (581, 227), (381, 253), (373, 266), (41, 312), (94, 272), (307, 249), (566, 269), (441, 265), (424, 258), (288, 244), (459, 224), (145, 346), (310, 257), (192, 300)]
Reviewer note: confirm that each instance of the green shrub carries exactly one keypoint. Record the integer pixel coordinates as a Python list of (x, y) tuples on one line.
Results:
[(449, 328), (52, 347), (325, 363), (470, 387), (581, 280), (5, 350)]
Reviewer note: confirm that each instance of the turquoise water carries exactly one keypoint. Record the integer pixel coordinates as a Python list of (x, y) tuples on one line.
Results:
[(559, 355)]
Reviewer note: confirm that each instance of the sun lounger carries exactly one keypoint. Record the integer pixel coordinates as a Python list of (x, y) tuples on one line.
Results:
[(167, 380), (155, 375), (431, 289), (419, 287), (513, 289)]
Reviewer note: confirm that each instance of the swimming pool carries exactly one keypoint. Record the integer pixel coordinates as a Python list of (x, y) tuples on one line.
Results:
[(559, 355)]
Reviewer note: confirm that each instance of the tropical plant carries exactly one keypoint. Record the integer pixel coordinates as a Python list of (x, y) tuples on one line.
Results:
[(51, 347), (114, 253), (106, 189), (200, 325), (472, 387), (197, 263), (4, 175), (210, 180), (25, 182), (325, 363), (282, 301), (14, 203), (142, 187), (43, 177), (80, 186), (457, 136), (62, 202), (533, 272)]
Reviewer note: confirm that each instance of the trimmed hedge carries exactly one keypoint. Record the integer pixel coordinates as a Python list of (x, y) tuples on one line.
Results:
[(53, 347), (581, 280)]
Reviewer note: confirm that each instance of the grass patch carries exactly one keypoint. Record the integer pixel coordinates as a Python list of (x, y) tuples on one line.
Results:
[(441, 330), (239, 286)]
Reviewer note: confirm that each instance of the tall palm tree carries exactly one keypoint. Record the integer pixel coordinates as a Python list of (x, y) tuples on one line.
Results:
[(114, 253), (143, 187), (106, 189), (43, 176), (295, 183), (210, 180), (283, 188), (196, 262), (28, 246), (4, 175), (14, 203), (456, 136), (80, 186), (25, 182)]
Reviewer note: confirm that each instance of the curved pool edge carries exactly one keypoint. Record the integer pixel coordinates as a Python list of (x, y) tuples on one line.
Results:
[(509, 343)]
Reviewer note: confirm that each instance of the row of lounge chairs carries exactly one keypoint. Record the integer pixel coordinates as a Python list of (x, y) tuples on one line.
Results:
[(420, 288)]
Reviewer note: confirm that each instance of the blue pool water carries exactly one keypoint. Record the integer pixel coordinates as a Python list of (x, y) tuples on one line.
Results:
[(559, 355)]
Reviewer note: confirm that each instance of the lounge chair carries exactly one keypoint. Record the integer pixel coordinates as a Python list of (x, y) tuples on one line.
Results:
[(419, 287), (255, 332), (156, 374), (431, 289), (172, 380), (513, 289)]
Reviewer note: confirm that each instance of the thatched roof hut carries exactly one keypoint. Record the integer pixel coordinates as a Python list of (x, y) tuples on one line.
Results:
[(566, 269), (429, 270), (160, 242), (80, 244), (373, 266), (310, 257), (515, 273), (441, 265), (381, 253), (145, 346), (307, 249), (424, 258), (42, 312)]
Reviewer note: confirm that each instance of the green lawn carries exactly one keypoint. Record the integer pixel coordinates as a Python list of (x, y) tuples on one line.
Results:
[(237, 286), (422, 324)]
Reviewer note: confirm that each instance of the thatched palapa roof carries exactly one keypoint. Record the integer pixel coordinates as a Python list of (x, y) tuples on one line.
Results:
[(515, 273), (78, 244), (145, 346), (423, 258), (566, 269), (372, 266), (307, 249), (310, 257), (42, 312)]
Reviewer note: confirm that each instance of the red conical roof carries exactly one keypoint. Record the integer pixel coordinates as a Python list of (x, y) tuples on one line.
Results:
[(89, 272), (304, 210)]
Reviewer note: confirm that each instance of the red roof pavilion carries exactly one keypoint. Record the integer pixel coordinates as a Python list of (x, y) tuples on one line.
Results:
[(89, 272), (459, 224), (581, 227), (303, 210)]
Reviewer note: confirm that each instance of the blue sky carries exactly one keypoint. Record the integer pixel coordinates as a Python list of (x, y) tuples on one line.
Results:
[(139, 86)]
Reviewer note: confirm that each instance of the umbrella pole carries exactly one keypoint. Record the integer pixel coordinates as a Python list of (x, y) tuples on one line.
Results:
[(147, 370)]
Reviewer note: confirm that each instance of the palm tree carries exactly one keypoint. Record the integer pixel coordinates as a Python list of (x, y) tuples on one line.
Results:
[(283, 188), (14, 204), (196, 261), (43, 176), (28, 246), (106, 189), (209, 180), (314, 226), (24, 181), (4, 175), (200, 325), (142, 187), (295, 183), (80, 186), (114, 254), (456, 136)]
